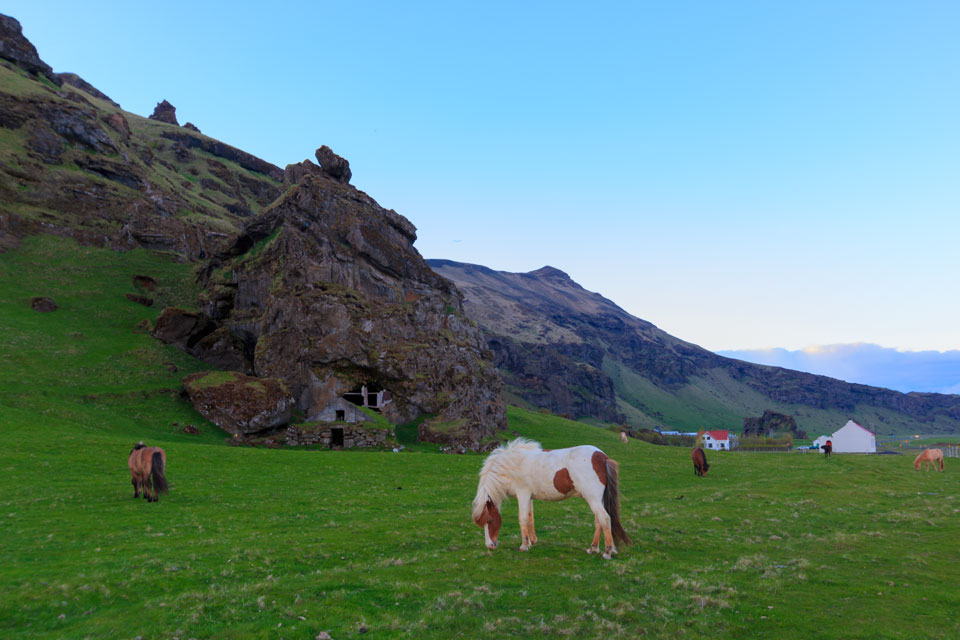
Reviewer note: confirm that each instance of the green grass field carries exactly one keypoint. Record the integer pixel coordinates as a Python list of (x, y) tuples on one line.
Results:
[(280, 543)]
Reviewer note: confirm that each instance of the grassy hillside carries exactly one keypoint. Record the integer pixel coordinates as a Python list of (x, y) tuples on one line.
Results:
[(261, 543)]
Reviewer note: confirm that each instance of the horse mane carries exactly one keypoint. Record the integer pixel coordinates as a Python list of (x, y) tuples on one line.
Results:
[(497, 470)]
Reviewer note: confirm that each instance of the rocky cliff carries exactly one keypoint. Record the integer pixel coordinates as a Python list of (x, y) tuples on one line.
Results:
[(327, 292), (575, 352), (307, 279)]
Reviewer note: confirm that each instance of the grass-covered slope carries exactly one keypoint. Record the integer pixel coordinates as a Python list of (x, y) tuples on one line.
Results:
[(76, 164), (92, 363)]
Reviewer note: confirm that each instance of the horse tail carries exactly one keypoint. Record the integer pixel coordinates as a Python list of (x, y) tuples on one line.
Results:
[(611, 502), (159, 481)]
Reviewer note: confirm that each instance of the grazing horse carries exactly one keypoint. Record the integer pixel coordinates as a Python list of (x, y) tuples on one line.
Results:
[(827, 449), (623, 437), (146, 468), (931, 457), (700, 466), (524, 470)]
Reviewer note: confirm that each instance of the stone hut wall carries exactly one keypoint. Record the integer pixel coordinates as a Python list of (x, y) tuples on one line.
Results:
[(353, 436)]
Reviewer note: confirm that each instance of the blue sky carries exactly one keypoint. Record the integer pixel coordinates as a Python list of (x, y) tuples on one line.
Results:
[(745, 175)]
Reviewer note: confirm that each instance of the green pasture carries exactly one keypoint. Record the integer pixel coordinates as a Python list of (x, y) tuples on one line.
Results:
[(284, 543)]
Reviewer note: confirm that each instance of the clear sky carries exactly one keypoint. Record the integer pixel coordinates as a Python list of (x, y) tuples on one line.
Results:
[(745, 175)]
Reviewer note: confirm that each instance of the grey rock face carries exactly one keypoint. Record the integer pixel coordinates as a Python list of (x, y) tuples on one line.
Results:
[(20, 51), (328, 288)]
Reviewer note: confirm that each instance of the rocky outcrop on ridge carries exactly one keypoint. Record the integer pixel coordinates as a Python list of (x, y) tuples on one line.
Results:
[(328, 293), (165, 112), (333, 166), (20, 51), (74, 80)]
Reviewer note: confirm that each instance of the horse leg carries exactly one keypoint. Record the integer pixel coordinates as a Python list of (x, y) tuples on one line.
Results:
[(603, 520), (524, 508), (595, 545), (136, 489), (533, 533)]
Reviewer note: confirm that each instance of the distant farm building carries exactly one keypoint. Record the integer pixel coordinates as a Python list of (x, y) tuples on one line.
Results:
[(850, 438), (717, 440)]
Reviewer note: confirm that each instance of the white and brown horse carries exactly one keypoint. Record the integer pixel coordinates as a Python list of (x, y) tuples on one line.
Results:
[(146, 467), (523, 470), (931, 457)]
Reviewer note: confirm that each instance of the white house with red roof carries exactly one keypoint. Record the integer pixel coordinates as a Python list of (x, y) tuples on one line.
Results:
[(717, 440), (850, 438)]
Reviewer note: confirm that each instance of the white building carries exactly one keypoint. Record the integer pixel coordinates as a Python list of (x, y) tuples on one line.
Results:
[(850, 438), (717, 440)]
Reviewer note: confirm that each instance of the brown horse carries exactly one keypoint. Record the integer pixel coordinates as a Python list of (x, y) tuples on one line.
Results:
[(931, 457), (700, 466), (146, 468), (827, 449)]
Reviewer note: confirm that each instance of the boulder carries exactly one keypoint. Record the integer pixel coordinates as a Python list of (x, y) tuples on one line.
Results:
[(165, 112), (334, 167), (20, 51), (192, 127), (240, 404), (293, 172), (183, 328), (43, 304)]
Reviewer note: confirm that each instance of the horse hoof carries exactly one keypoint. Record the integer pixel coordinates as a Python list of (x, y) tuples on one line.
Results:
[(593, 550), (606, 555), (524, 547)]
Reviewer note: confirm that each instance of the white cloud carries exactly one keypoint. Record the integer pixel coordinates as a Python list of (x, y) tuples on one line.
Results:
[(931, 371)]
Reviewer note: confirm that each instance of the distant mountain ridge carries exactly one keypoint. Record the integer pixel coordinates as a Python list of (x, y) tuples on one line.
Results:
[(575, 352)]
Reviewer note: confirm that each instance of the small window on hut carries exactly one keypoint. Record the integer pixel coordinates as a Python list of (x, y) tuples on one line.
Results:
[(341, 415)]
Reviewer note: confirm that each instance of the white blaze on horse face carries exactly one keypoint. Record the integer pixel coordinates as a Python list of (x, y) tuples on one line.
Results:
[(490, 542)]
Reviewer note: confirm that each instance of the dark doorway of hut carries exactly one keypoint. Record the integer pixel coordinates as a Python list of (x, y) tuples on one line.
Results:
[(336, 438)]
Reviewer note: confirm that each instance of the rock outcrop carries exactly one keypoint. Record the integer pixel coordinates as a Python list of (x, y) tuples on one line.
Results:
[(328, 292), (770, 423), (20, 51), (333, 166), (239, 404), (74, 80), (165, 112)]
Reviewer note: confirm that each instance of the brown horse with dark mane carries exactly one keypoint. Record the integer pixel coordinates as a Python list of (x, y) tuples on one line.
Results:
[(146, 469), (700, 466)]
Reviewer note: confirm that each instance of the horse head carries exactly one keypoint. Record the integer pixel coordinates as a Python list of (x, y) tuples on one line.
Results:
[(489, 520), (139, 445)]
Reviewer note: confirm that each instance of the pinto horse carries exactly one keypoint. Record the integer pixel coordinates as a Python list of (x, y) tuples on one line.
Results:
[(700, 466), (526, 471), (146, 468), (931, 457)]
